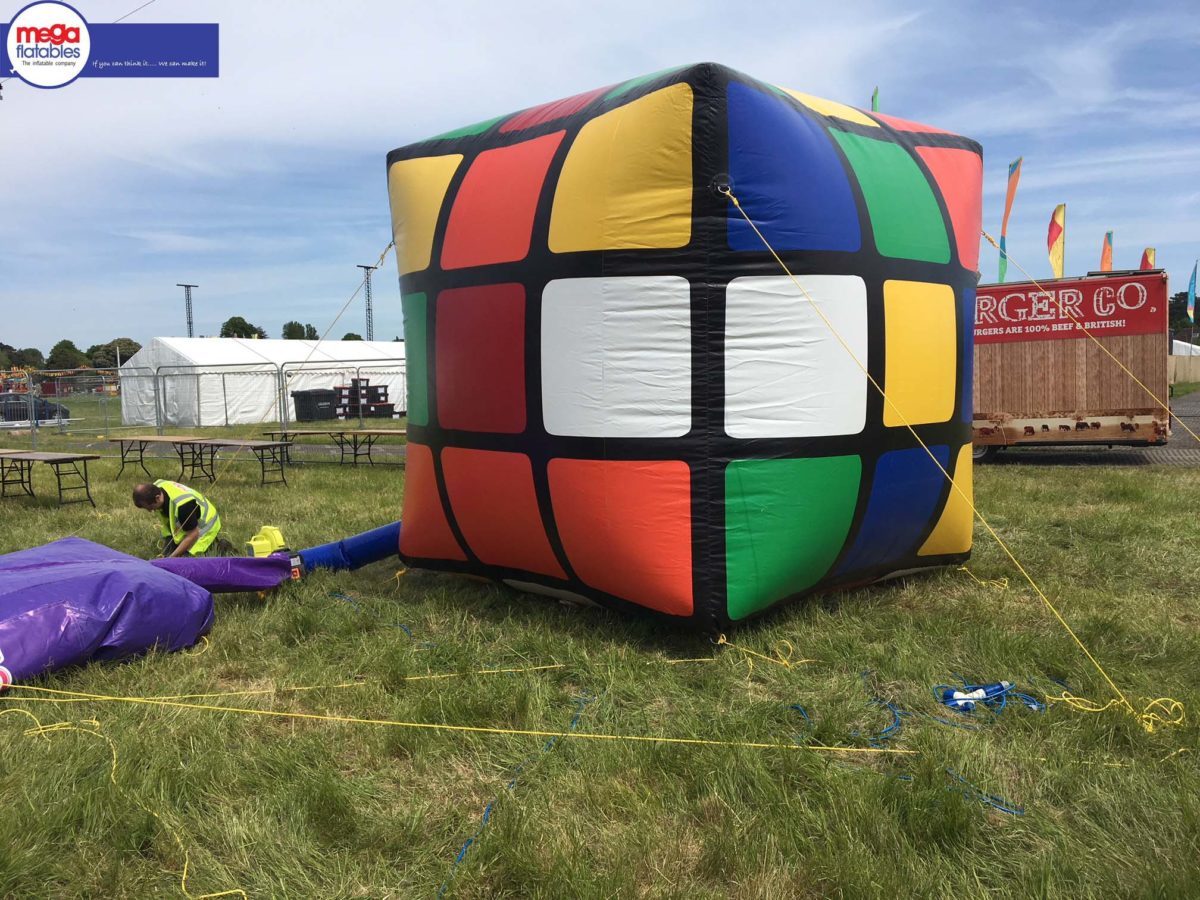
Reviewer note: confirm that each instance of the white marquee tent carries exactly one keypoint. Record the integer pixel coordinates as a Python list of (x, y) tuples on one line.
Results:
[(191, 382)]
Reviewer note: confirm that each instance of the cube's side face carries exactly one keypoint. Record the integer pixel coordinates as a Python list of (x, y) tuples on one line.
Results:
[(847, 392), (614, 391)]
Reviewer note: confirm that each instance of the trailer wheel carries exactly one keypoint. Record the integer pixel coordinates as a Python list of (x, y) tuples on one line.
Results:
[(983, 452)]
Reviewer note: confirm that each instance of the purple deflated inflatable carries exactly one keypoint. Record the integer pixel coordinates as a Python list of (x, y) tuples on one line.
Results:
[(230, 574), (73, 601)]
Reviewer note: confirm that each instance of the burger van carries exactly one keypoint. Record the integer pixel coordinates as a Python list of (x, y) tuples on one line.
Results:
[(1042, 376)]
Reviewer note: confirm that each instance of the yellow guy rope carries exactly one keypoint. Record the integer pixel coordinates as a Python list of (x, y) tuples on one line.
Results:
[(439, 726), (43, 731), (1159, 711), (783, 653), (1078, 324), (311, 687), (1000, 584), (1148, 719), (378, 263)]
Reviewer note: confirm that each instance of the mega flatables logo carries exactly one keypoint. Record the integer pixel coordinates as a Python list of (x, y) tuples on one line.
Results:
[(48, 44)]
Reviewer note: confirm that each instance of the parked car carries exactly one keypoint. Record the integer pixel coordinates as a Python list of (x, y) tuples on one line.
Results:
[(15, 407)]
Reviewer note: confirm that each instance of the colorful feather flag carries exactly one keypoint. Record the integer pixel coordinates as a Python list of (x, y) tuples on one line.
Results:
[(1014, 175), (1192, 296), (1056, 238), (875, 99), (1106, 253), (1148, 258)]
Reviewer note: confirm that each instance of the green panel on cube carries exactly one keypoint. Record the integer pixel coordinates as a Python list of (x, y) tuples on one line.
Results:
[(904, 211), (785, 523), (627, 86), (469, 130), (415, 358)]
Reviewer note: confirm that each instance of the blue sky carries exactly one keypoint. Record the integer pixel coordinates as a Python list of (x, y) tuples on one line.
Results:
[(266, 186)]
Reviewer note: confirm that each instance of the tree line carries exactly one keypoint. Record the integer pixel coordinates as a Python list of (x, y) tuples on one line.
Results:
[(292, 331), (65, 355)]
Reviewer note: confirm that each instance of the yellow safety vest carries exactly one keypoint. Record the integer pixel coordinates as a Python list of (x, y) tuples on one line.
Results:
[(209, 522)]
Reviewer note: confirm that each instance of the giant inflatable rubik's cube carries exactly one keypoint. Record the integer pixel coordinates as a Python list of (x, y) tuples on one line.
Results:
[(614, 391)]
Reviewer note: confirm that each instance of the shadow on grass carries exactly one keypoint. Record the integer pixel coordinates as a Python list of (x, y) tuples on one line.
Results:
[(1093, 456), (500, 606)]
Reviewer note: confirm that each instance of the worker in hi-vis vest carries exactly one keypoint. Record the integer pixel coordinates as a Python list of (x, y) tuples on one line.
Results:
[(190, 523)]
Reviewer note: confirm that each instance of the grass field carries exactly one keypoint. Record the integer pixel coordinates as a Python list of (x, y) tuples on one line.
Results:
[(280, 807), (1183, 388)]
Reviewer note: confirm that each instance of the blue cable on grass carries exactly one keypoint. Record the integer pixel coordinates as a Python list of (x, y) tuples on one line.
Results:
[(995, 700), (971, 792), (880, 738), (347, 598), (968, 790), (808, 724), (993, 696), (581, 703)]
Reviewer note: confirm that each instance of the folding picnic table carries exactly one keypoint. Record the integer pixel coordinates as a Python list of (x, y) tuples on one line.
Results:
[(16, 470), (197, 456), (271, 456), (353, 442), (133, 448)]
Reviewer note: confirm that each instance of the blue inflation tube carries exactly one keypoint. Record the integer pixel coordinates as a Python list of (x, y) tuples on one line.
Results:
[(353, 552)]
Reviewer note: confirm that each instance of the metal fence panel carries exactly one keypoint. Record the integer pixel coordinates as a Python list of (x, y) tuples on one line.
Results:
[(104, 402), (366, 390), (85, 402)]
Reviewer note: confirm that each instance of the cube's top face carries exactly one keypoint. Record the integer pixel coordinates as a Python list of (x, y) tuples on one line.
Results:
[(617, 392)]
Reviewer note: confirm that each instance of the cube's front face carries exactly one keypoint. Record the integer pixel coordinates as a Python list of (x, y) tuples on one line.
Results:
[(616, 392)]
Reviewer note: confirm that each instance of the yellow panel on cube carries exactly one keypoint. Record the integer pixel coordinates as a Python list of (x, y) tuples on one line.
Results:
[(952, 534), (417, 188), (920, 356), (833, 108), (626, 183)]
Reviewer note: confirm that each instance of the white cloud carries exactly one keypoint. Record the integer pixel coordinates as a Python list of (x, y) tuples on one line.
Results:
[(266, 185)]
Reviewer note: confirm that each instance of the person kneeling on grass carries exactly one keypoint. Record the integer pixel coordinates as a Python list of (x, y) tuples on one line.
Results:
[(190, 523)]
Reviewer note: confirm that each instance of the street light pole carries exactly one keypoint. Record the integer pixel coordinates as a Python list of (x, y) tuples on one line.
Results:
[(367, 270), (187, 302)]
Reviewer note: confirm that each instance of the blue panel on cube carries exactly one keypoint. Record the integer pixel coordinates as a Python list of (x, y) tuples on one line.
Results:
[(788, 176), (904, 497)]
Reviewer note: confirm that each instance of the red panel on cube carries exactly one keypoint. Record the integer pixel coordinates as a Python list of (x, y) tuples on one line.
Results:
[(424, 532), (906, 125), (494, 503), (480, 368), (626, 528), (959, 176), (492, 217), (549, 112)]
